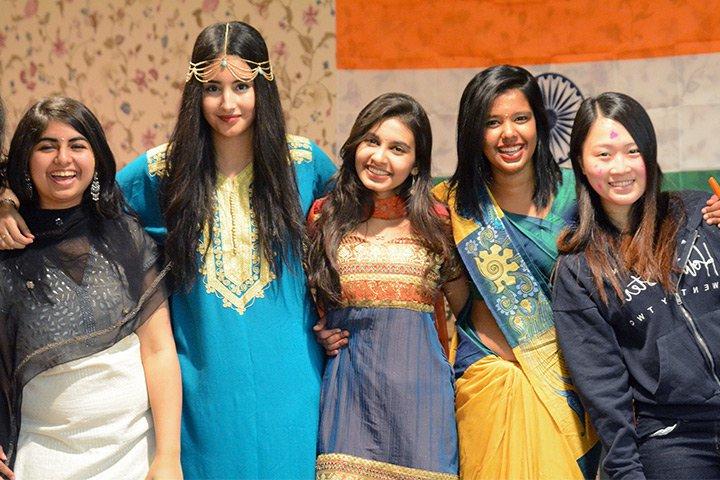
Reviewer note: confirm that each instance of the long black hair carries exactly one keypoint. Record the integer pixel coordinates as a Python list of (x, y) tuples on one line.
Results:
[(648, 248), (473, 168), (3, 157), (188, 187), (2, 131), (351, 203)]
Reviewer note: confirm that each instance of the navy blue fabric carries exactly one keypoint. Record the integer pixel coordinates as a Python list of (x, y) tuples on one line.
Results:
[(690, 451), (389, 396)]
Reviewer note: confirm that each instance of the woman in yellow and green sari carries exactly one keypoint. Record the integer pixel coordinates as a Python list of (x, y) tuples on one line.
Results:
[(518, 414)]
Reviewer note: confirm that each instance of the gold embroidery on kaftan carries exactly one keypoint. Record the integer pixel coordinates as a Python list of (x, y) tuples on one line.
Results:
[(234, 267), (300, 149), (156, 160)]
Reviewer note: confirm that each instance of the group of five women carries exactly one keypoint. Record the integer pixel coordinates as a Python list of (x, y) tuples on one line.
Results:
[(83, 293)]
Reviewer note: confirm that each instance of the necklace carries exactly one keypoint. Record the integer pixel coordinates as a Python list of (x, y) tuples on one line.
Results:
[(390, 208)]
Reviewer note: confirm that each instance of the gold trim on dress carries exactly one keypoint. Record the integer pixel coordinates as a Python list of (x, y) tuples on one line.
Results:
[(393, 273), (300, 152), (300, 149), (417, 306), (234, 267), (338, 466), (156, 163)]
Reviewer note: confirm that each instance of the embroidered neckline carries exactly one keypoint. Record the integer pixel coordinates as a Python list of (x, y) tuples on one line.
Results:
[(390, 208)]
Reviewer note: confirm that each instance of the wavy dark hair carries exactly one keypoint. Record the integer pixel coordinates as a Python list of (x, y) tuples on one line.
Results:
[(473, 168), (29, 131), (187, 190), (2, 130), (3, 157), (350, 203), (648, 247)]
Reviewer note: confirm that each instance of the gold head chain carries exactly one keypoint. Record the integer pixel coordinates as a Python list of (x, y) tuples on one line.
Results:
[(208, 69)]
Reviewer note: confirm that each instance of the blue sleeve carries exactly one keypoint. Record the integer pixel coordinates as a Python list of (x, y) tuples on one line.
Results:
[(324, 170), (141, 193), (595, 361)]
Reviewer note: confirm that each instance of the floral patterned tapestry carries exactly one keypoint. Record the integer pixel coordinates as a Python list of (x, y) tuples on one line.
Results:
[(127, 60)]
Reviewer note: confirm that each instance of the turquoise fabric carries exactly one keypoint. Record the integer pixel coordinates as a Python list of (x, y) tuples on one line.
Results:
[(251, 381), (537, 237)]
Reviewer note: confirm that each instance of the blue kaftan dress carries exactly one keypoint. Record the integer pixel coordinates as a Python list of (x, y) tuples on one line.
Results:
[(250, 364)]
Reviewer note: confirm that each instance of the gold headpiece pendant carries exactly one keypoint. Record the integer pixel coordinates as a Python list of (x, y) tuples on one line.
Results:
[(208, 69)]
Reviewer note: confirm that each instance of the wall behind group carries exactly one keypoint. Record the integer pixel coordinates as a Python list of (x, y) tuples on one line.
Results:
[(127, 60)]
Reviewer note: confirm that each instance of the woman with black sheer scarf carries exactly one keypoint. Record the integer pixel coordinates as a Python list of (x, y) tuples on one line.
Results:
[(89, 377)]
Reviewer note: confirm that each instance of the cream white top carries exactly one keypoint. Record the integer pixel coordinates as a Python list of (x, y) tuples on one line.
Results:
[(88, 418)]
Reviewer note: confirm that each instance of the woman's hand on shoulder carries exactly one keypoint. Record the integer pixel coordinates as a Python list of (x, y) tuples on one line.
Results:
[(331, 339), (4, 469), (711, 213), (14, 233), (165, 466)]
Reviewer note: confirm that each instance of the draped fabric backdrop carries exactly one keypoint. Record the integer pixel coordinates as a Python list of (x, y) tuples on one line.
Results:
[(127, 59), (665, 53)]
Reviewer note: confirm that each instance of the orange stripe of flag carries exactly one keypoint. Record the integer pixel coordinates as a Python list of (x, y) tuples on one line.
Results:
[(407, 34)]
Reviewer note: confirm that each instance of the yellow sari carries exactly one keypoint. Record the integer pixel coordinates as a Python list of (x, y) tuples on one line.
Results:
[(518, 420)]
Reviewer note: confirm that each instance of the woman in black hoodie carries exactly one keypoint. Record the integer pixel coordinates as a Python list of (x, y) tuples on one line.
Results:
[(637, 301)]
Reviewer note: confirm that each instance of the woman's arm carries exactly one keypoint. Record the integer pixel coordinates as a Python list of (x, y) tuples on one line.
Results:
[(162, 375), (456, 293), (593, 356), (14, 233), (4, 469), (332, 339)]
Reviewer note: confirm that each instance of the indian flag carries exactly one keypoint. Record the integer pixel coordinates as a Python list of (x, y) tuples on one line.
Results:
[(664, 53)]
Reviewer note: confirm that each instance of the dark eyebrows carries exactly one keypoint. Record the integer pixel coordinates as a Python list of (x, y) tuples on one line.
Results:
[(610, 145), (401, 144), (55, 140), (527, 113), (370, 135), (235, 81)]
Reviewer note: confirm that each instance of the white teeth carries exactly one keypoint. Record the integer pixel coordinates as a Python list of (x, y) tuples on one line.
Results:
[(510, 150), (622, 183), (63, 174), (377, 171)]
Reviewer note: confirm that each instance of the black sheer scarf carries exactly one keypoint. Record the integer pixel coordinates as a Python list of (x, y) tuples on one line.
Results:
[(83, 285)]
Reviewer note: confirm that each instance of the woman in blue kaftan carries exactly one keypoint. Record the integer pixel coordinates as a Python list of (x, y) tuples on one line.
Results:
[(250, 400), (231, 225)]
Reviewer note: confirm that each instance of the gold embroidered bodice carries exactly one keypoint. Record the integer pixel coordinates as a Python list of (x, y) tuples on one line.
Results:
[(398, 272)]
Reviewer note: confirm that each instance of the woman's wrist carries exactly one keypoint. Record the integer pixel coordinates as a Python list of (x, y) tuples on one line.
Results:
[(8, 201), (168, 453)]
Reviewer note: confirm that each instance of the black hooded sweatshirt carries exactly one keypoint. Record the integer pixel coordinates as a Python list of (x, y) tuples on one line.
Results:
[(652, 359)]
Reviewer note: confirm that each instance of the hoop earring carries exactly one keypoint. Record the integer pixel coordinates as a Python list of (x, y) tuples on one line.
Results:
[(95, 188)]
